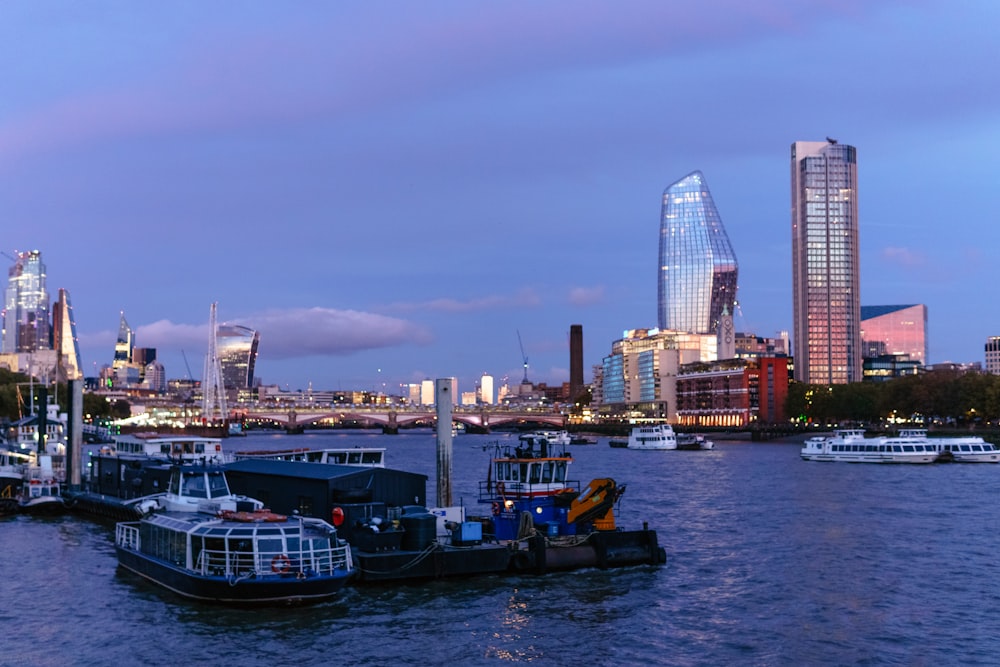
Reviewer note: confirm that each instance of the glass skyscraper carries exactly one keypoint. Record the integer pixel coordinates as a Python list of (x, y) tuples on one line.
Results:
[(825, 271), (236, 347), (26, 306), (697, 271)]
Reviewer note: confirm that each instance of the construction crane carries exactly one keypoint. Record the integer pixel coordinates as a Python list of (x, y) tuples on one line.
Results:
[(524, 356), (186, 364)]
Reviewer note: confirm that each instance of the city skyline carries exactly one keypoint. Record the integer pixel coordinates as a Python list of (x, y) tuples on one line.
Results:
[(391, 194)]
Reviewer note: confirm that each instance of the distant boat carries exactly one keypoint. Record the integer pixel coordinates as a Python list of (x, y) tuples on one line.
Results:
[(693, 441), (658, 436), (551, 437), (909, 446), (367, 457)]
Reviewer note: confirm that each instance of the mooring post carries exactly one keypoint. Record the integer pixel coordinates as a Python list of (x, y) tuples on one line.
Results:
[(442, 407)]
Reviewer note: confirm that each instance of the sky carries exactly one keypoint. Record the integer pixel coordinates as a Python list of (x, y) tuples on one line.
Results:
[(395, 191)]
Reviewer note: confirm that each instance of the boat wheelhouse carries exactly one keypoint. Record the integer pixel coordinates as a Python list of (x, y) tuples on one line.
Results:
[(693, 441), (41, 492), (658, 436)]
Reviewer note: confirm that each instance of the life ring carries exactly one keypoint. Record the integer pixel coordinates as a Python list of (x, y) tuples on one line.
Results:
[(280, 564), (496, 509)]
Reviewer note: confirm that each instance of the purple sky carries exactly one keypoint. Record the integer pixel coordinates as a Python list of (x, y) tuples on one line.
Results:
[(405, 186)]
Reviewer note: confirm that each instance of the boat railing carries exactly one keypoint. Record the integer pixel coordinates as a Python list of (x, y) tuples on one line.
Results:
[(127, 535), (323, 561)]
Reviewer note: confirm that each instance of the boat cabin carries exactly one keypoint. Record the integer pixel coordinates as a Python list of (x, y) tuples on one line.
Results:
[(188, 448), (369, 457)]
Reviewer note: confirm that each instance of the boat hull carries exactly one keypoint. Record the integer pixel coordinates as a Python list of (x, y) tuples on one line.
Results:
[(284, 589), (44, 506)]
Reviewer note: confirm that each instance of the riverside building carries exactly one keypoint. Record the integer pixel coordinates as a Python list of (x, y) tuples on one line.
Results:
[(825, 270)]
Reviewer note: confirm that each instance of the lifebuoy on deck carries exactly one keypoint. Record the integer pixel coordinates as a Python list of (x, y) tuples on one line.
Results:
[(337, 516), (280, 564)]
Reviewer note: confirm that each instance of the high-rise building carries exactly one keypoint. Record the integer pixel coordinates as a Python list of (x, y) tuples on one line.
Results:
[(486, 389), (697, 272), (825, 272), (124, 345), (895, 330), (237, 349), (64, 339), (26, 306)]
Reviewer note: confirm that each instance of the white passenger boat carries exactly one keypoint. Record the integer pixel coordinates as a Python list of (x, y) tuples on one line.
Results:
[(965, 449), (365, 457), (659, 436), (851, 446), (694, 441)]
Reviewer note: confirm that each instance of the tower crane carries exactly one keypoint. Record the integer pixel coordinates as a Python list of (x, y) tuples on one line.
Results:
[(186, 364), (524, 356)]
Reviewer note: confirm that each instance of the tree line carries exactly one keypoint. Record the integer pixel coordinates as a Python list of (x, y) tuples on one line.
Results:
[(15, 398), (953, 397)]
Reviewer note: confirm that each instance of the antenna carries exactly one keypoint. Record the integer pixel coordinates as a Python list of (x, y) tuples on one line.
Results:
[(525, 357)]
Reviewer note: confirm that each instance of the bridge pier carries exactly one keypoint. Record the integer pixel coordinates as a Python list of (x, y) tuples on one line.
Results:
[(293, 428), (392, 426)]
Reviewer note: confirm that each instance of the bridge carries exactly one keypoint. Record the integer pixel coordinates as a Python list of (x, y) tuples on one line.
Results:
[(480, 419)]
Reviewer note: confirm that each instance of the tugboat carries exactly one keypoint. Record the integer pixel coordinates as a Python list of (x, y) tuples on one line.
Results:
[(549, 522), (41, 492), (207, 544)]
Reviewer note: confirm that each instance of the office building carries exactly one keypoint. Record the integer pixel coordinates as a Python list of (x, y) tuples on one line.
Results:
[(993, 355), (237, 349), (826, 304), (26, 306), (697, 270), (895, 330), (486, 389), (124, 344)]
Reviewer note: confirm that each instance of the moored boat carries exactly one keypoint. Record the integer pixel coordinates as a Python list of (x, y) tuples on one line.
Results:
[(552, 437), (657, 436), (851, 446), (693, 441), (369, 457), (41, 492), (236, 552), (963, 449)]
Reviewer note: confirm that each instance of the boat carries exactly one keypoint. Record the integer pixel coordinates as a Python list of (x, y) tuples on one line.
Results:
[(581, 440), (693, 441), (552, 437), (548, 521), (207, 544), (170, 447), (368, 457), (618, 444), (12, 466), (23, 435), (963, 449), (851, 446), (655, 436), (41, 492)]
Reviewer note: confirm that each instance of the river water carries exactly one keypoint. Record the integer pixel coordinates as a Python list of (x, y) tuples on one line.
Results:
[(771, 561)]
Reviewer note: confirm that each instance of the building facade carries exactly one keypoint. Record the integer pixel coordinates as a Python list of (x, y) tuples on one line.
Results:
[(64, 339), (237, 346), (697, 270), (26, 306), (732, 393), (992, 350), (825, 272), (895, 330)]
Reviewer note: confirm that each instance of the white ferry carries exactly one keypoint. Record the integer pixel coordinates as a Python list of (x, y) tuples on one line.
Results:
[(365, 457), (850, 445), (659, 436), (967, 449)]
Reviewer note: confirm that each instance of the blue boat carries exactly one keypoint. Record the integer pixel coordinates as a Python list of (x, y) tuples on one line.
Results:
[(229, 549)]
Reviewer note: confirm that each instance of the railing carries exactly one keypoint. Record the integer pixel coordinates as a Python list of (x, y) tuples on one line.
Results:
[(127, 535), (490, 491), (213, 562)]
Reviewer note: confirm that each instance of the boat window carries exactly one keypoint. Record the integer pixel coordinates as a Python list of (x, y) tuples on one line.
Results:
[(897, 448), (513, 472), (194, 486), (907, 448), (536, 473), (217, 485), (547, 472), (371, 457), (965, 448), (199, 448), (560, 473), (354, 458), (270, 547)]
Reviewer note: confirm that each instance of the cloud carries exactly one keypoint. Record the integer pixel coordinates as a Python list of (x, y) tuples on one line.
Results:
[(904, 257), (297, 333), (525, 298), (586, 296)]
